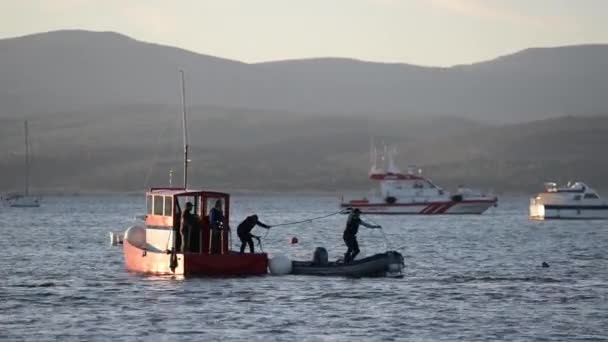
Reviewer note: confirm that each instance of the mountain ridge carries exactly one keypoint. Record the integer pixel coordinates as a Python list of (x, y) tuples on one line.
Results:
[(77, 70)]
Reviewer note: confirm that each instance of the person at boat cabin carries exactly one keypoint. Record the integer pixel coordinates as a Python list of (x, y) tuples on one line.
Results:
[(350, 234), (216, 216), (216, 223), (244, 232), (188, 225)]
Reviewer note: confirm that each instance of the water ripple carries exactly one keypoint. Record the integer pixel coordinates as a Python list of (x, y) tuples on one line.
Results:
[(474, 278)]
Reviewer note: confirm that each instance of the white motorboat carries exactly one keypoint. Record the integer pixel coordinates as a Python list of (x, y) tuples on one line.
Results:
[(573, 201), (22, 201), (411, 193)]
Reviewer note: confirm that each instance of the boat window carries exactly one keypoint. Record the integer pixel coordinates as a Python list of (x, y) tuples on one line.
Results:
[(577, 197), (149, 204), (594, 196), (158, 205), (168, 205), (182, 200)]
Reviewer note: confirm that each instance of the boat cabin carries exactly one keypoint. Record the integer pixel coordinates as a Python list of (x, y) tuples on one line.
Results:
[(165, 207), (581, 190)]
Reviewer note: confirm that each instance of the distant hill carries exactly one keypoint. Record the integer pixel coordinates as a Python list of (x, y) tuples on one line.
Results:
[(82, 71), (128, 151)]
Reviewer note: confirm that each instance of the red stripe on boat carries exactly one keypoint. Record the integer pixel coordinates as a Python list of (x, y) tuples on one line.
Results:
[(445, 208)]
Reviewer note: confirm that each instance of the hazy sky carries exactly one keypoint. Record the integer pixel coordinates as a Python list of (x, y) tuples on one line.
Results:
[(426, 32)]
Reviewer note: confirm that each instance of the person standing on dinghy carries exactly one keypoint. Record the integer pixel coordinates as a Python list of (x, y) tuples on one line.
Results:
[(244, 232), (350, 234)]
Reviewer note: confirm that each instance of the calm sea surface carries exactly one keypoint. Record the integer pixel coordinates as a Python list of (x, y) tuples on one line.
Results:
[(468, 278)]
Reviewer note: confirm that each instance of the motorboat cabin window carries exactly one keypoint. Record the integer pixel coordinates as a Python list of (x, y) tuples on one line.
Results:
[(158, 205), (591, 196), (149, 204), (577, 197), (168, 205)]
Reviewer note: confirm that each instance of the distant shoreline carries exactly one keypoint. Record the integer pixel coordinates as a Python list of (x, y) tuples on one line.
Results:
[(234, 192)]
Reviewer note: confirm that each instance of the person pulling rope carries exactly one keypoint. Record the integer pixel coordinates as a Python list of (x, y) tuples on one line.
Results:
[(244, 232)]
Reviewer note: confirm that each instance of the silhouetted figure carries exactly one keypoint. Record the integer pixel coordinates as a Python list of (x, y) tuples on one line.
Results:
[(187, 227), (244, 232), (350, 234), (216, 224)]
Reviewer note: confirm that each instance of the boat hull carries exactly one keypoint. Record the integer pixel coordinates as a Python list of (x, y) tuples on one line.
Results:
[(194, 264), (568, 212), (424, 208), (23, 202), (389, 264)]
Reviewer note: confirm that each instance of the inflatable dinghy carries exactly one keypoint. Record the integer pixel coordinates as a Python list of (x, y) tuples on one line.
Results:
[(389, 264)]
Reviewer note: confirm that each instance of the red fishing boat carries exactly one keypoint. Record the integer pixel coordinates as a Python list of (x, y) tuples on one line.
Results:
[(155, 247)]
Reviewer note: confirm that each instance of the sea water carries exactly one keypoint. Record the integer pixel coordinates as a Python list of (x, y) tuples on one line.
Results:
[(468, 278)]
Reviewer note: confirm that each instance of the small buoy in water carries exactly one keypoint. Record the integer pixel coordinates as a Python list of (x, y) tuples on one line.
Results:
[(279, 265), (294, 240), (545, 264)]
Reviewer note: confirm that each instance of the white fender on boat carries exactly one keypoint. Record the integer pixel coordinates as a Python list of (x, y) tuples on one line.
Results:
[(279, 265), (116, 238), (136, 235)]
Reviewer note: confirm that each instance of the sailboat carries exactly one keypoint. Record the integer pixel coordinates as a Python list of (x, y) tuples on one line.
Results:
[(25, 200)]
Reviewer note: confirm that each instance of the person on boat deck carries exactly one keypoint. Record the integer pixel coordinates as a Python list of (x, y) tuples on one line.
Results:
[(216, 222), (187, 227), (244, 232), (350, 234)]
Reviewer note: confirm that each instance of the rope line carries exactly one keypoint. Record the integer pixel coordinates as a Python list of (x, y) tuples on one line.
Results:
[(387, 245), (303, 221), (308, 220)]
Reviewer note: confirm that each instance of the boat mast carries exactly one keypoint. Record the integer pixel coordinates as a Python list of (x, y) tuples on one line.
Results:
[(185, 130), (27, 160), (372, 155)]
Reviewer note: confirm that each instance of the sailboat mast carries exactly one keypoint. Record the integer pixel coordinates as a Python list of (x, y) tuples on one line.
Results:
[(185, 130), (27, 160)]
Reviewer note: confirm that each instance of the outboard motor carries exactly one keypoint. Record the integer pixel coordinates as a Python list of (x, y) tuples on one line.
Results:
[(320, 257), (395, 265)]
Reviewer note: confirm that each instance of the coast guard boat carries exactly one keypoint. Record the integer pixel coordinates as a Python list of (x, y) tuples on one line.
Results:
[(411, 193), (574, 201)]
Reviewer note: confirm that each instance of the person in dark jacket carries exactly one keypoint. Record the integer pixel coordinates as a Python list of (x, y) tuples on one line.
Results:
[(216, 223), (350, 234), (244, 232), (187, 226)]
